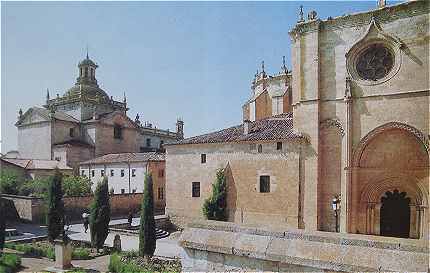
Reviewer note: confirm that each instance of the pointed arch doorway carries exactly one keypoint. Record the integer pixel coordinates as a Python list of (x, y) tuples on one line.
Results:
[(395, 214)]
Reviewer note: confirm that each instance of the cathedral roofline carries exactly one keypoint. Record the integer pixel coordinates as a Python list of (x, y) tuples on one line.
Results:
[(385, 14)]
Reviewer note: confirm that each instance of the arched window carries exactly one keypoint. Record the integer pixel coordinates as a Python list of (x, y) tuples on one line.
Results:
[(260, 148)]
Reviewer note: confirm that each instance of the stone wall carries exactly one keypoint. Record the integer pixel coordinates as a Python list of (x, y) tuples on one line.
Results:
[(120, 205), (27, 208), (218, 246), (34, 210), (246, 204)]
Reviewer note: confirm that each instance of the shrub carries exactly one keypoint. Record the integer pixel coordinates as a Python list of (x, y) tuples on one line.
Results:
[(214, 208), (38, 187), (55, 208), (77, 186), (147, 239), (114, 263), (10, 181), (9, 263), (100, 215), (2, 226), (81, 254)]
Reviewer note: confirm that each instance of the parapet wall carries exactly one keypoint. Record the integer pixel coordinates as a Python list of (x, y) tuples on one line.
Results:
[(217, 246)]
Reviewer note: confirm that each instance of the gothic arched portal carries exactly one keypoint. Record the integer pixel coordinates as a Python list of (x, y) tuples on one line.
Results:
[(395, 214)]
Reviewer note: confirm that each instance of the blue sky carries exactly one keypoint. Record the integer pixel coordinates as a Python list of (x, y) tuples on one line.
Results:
[(193, 60)]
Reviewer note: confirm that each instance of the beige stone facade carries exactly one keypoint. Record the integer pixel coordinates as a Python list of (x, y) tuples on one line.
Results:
[(359, 98)]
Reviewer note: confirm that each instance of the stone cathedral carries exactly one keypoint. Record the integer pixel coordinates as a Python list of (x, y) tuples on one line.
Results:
[(85, 123), (348, 124)]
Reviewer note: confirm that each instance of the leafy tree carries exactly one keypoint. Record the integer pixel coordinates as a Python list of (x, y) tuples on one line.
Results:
[(100, 214), (10, 181), (37, 187), (77, 186), (215, 207), (2, 225), (147, 239), (55, 207)]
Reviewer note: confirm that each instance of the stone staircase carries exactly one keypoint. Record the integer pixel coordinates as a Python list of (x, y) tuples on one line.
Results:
[(159, 233)]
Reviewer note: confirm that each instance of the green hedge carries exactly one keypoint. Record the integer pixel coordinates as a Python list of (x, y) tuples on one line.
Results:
[(48, 251), (9, 263)]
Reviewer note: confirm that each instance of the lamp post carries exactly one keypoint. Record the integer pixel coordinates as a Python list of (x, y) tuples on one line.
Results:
[(335, 204)]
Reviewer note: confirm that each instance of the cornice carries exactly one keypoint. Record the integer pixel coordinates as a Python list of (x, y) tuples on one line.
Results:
[(383, 15)]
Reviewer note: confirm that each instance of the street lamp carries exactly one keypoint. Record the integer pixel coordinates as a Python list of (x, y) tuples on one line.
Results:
[(335, 204)]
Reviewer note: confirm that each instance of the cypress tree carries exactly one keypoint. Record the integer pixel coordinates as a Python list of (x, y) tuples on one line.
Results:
[(2, 225), (215, 207), (55, 207), (100, 214), (147, 239)]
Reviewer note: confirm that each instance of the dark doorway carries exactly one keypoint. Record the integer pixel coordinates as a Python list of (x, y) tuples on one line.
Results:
[(395, 214)]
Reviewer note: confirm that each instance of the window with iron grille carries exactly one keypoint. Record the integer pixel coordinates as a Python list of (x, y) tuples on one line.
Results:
[(196, 189), (264, 183)]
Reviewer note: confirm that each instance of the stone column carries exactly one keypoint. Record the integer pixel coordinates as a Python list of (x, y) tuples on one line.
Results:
[(414, 220), (377, 219), (346, 186)]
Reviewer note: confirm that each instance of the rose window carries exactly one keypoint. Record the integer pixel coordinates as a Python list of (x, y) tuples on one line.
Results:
[(375, 62)]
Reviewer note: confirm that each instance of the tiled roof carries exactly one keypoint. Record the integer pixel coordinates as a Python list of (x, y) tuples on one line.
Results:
[(278, 127), (37, 164), (126, 157)]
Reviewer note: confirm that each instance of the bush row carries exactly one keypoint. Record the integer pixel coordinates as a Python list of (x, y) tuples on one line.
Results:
[(47, 251)]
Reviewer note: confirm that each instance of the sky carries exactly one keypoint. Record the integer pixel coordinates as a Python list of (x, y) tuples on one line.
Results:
[(193, 60)]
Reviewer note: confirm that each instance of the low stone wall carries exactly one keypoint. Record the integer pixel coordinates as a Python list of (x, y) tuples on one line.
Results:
[(120, 205), (34, 210), (215, 246), (26, 208)]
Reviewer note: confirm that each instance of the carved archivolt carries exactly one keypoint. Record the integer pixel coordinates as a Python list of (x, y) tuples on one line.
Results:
[(332, 122), (389, 126)]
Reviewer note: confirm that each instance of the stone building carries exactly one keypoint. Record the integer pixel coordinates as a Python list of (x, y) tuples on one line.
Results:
[(126, 173), (85, 123), (348, 123)]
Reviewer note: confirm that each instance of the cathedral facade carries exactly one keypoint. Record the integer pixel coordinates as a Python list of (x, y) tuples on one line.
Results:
[(340, 143), (85, 123)]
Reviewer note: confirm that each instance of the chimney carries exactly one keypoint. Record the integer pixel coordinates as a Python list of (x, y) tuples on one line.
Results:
[(246, 126)]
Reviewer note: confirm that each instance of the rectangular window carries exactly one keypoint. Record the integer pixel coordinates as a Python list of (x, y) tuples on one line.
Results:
[(203, 158), (102, 172), (83, 172), (122, 173), (117, 132), (122, 191), (278, 145), (160, 193), (161, 173), (264, 183), (112, 173), (93, 173), (196, 189), (71, 132), (148, 142), (133, 172)]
